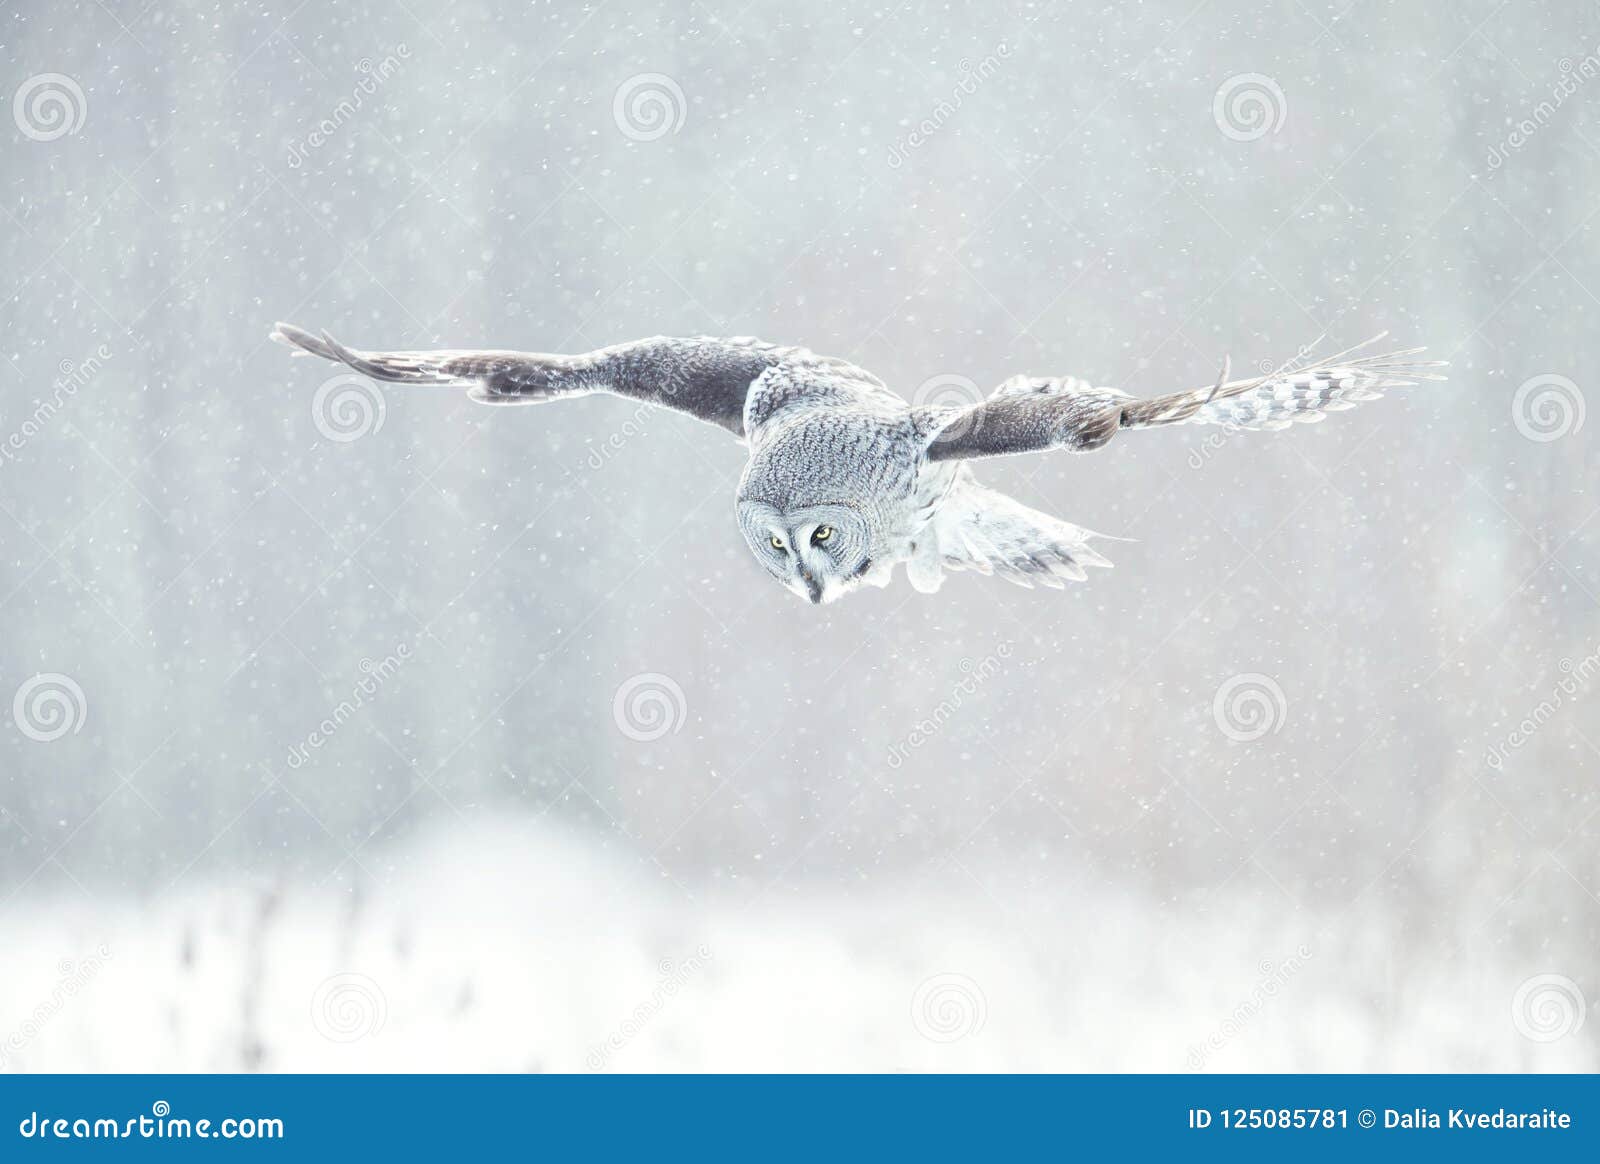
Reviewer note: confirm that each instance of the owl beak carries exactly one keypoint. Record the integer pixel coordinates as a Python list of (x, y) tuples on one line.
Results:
[(813, 587)]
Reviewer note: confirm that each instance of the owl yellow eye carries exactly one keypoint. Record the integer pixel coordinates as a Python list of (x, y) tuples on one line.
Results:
[(777, 542), (823, 534)]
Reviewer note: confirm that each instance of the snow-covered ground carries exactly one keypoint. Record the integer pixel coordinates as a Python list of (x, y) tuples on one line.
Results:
[(516, 946)]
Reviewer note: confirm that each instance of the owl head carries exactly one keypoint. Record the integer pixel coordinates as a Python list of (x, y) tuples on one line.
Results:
[(818, 551)]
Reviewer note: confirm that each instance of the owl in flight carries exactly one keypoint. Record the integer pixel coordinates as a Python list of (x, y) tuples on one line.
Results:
[(845, 478)]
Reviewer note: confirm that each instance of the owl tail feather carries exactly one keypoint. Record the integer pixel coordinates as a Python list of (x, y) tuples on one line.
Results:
[(984, 530)]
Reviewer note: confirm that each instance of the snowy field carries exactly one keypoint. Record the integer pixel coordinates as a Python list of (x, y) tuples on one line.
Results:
[(513, 947)]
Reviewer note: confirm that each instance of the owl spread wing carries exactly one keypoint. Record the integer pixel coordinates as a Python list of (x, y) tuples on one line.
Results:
[(1026, 415), (704, 377)]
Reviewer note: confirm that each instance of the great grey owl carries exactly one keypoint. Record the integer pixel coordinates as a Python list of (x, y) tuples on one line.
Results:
[(845, 478)]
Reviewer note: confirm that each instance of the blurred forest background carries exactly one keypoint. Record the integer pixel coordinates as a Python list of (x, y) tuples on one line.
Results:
[(352, 729)]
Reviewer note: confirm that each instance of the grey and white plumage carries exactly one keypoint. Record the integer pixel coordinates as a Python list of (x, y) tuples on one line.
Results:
[(846, 479)]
